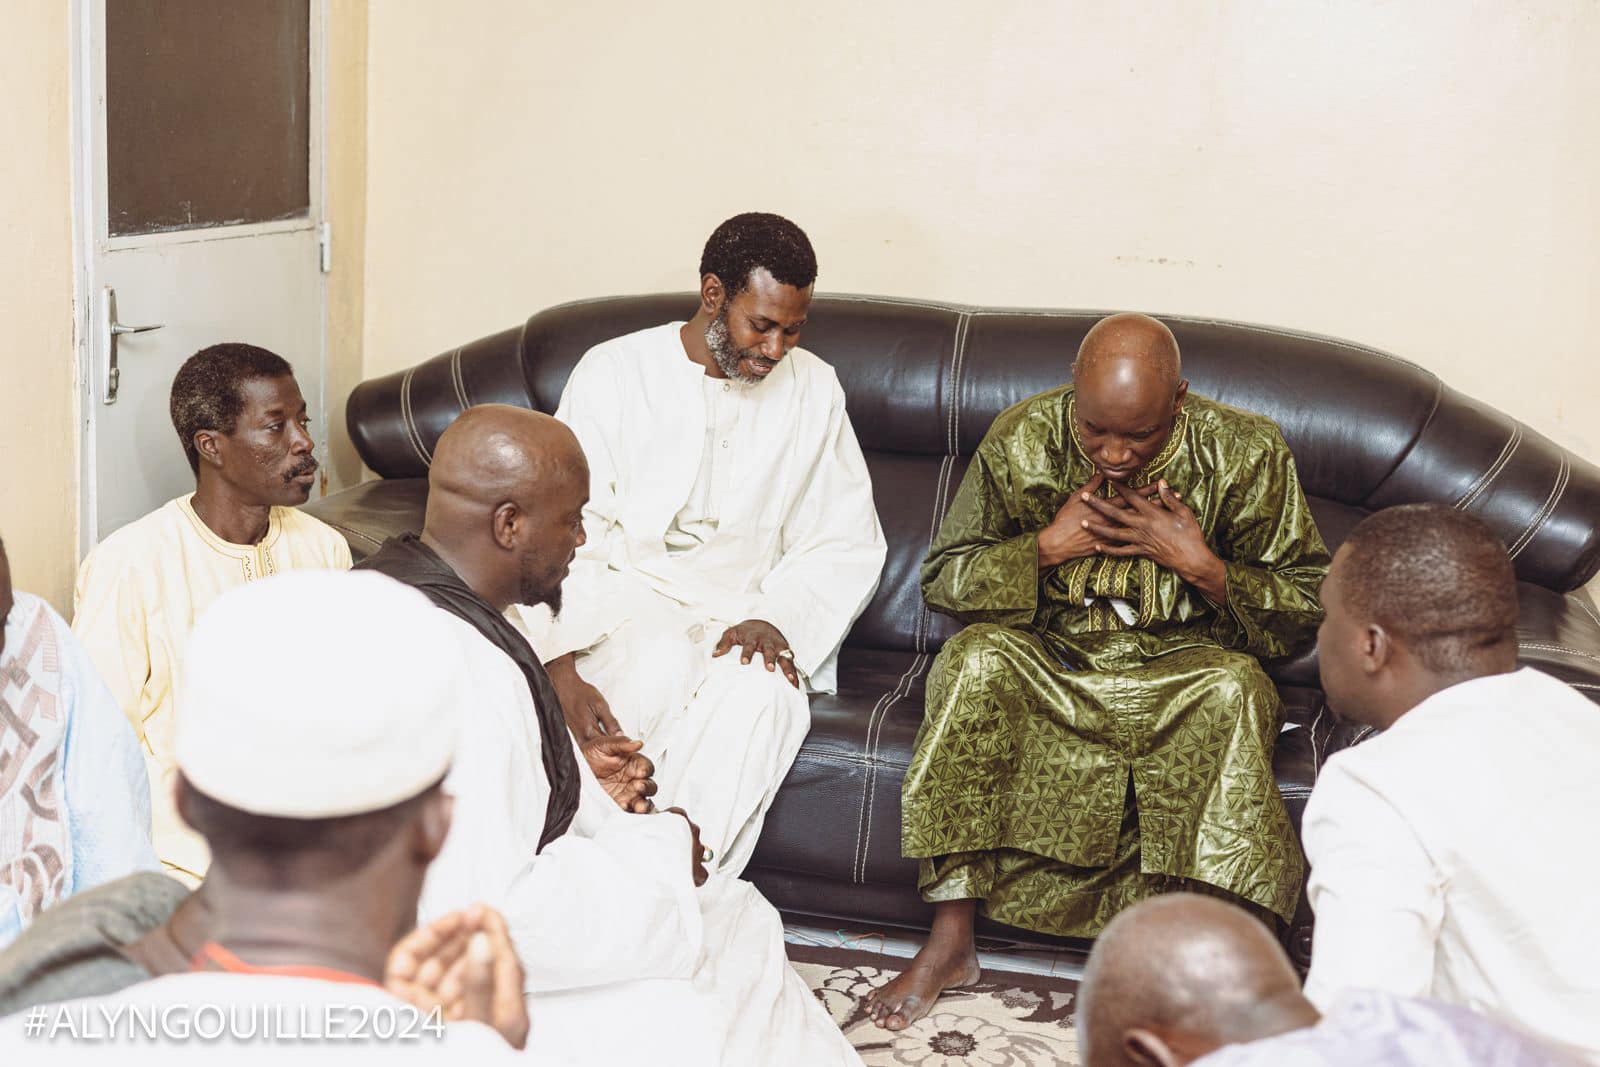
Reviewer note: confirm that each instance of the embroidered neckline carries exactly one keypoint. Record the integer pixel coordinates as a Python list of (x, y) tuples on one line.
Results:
[(207, 534)]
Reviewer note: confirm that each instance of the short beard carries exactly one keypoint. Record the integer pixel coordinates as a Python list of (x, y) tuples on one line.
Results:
[(532, 595), (720, 343)]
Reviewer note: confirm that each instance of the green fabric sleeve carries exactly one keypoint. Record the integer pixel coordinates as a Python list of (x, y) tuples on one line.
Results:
[(983, 567), (1275, 561)]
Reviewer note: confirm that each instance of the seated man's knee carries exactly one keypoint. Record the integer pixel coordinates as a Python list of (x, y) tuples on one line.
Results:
[(970, 647)]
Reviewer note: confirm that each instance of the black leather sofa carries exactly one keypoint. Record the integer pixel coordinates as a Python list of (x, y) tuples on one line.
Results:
[(923, 381)]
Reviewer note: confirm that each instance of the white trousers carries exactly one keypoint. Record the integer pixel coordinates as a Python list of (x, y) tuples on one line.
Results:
[(722, 733)]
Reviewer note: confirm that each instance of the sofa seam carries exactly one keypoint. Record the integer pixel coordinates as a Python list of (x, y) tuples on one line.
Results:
[(1494, 470), (412, 433), (457, 380), (915, 672), (1557, 491), (1544, 646), (348, 530), (880, 713), (958, 357)]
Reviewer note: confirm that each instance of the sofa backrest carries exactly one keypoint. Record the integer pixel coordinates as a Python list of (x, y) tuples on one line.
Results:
[(924, 380)]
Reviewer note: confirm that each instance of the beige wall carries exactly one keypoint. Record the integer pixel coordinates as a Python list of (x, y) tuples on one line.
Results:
[(347, 212), (1424, 177), (38, 438)]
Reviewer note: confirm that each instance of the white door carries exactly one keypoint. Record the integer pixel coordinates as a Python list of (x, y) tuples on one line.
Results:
[(200, 199)]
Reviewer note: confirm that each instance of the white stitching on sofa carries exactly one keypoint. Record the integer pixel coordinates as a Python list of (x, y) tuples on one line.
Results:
[(410, 422), (1563, 649), (956, 361), (457, 380), (947, 466), (1316, 754), (908, 680), (868, 781), (880, 711), (353, 532), (1557, 491), (874, 734), (1487, 477)]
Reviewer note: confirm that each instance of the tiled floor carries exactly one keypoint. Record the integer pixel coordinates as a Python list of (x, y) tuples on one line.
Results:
[(1064, 965)]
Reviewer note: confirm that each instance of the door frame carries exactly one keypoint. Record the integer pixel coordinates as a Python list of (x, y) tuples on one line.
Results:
[(89, 239)]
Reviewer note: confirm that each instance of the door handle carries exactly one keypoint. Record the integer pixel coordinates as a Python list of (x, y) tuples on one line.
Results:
[(114, 329)]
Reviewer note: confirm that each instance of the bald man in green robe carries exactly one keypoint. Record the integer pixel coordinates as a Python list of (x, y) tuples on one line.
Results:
[(1124, 555)]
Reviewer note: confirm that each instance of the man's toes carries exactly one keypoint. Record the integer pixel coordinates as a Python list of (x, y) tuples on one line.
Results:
[(895, 1022)]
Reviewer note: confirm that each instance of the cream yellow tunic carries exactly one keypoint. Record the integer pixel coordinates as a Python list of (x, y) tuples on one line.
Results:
[(139, 594)]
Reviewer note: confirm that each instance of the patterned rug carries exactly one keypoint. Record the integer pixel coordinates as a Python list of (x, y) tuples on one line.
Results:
[(1007, 1020)]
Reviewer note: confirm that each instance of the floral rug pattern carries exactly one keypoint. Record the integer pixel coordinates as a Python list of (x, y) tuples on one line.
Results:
[(1006, 1020)]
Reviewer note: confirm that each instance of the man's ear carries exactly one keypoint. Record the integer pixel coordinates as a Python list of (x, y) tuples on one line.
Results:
[(504, 522), (1377, 648), (712, 294), (208, 446), (434, 825), (1143, 1047), (1183, 391)]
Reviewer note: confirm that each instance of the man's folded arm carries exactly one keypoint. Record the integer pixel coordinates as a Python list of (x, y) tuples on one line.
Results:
[(1378, 898)]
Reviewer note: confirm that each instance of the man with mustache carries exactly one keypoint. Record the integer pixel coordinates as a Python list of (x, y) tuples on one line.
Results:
[(730, 517), (242, 422), (1124, 553)]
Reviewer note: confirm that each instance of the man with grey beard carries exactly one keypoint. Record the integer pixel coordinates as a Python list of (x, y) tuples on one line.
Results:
[(730, 511)]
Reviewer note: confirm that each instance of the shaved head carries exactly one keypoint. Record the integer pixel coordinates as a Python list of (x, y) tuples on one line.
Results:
[(493, 450), (1177, 976), (1127, 392), (1131, 349), (505, 502)]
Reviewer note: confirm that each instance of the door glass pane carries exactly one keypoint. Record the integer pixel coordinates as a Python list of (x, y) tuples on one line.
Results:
[(207, 113)]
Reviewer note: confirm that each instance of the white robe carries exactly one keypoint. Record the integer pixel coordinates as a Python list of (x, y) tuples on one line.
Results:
[(796, 543), (613, 935), (1451, 858)]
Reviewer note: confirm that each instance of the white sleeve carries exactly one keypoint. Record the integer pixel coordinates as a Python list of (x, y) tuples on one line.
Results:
[(611, 900), (1377, 894), (832, 551)]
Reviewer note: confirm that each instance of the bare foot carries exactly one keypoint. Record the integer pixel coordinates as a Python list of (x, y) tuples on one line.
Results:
[(943, 963)]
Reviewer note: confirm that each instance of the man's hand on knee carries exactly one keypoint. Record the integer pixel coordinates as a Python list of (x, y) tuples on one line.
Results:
[(756, 635)]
